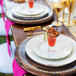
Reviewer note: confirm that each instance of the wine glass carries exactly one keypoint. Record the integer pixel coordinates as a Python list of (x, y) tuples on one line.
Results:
[(71, 4), (64, 4), (57, 8)]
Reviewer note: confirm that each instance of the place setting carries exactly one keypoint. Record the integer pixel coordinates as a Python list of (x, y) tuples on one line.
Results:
[(30, 13), (44, 37), (51, 50)]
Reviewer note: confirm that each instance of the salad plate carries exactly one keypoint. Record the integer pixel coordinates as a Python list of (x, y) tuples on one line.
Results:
[(62, 48), (25, 12)]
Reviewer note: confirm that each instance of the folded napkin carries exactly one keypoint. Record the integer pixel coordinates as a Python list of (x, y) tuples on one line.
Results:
[(17, 70), (7, 27)]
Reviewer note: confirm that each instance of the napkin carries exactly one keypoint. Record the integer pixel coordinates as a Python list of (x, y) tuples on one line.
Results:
[(17, 70), (7, 27)]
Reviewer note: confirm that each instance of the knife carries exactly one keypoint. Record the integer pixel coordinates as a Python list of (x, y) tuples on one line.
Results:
[(33, 28)]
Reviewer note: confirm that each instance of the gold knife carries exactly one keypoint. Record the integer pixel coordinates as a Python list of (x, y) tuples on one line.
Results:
[(33, 28)]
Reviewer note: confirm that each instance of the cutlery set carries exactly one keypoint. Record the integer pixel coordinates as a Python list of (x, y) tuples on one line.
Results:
[(34, 28)]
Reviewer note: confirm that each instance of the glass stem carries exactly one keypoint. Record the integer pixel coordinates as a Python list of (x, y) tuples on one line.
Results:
[(69, 20), (63, 15), (57, 20), (69, 14)]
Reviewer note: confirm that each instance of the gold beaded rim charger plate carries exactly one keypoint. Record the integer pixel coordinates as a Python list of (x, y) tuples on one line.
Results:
[(19, 20), (55, 63)]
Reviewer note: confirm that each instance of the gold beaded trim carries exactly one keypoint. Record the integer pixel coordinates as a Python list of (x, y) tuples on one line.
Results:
[(39, 70)]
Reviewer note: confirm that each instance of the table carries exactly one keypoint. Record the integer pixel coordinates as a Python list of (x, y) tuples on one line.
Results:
[(17, 30)]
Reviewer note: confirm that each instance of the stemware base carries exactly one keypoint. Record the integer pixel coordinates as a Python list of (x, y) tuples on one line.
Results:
[(73, 30), (69, 25), (55, 23)]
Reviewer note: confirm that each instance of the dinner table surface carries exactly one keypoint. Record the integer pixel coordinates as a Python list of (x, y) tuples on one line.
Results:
[(17, 29)]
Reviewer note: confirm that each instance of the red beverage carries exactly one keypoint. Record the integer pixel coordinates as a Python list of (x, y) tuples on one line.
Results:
[(51, 41), (51, 36), (31, 3)]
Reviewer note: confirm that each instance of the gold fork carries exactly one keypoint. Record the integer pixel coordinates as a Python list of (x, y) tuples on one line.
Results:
[(37, 33)]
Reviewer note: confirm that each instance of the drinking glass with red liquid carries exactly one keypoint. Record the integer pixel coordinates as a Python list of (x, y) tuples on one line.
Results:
[(30, 3), (51, 37)]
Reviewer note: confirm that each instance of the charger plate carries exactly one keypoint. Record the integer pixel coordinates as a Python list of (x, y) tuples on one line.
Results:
[(62, 49), (35, 68), (44, 19)]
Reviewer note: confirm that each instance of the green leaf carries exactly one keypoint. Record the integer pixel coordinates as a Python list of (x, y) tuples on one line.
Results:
[(45, 36)]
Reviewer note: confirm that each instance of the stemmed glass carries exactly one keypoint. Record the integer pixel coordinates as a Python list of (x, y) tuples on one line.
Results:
[(57, 8), (64, 4), (71, 4)]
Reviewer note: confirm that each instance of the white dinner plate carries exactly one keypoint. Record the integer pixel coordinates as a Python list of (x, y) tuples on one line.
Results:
[(61, 49), (54, 63), (23, 10)]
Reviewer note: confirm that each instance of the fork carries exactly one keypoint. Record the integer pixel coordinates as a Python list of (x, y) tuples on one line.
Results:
[(37, 33)]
